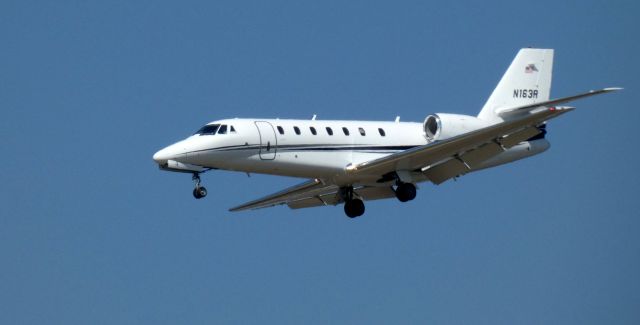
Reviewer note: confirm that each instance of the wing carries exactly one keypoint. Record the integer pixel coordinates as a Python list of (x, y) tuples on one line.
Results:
[(442, 160), (313, 193), (511, 110), (448, 158)]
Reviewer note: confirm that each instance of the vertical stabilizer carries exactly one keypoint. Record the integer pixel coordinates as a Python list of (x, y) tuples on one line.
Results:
[(527, 81)]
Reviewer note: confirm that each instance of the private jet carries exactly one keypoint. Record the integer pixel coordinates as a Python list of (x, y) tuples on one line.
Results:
[(350, 162)]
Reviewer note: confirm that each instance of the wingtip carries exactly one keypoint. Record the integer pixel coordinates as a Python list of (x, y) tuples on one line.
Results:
[(613, 89), (563, 108)]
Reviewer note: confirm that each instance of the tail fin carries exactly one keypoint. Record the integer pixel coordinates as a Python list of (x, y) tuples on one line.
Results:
[(527, 81)]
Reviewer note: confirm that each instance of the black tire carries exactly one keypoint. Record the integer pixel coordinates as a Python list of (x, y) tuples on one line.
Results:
[(199, 192), (354, 208), (406, 192), (202, 191)]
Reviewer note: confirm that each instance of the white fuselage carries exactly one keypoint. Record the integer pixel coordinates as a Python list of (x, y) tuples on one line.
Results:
[(290, 148), (272, 146)]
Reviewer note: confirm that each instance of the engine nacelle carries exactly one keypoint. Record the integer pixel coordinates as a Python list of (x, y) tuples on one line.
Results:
[(442, 126)]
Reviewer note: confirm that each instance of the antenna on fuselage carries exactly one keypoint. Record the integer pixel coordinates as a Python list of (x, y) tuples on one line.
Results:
[(397, 119), (314, 117)]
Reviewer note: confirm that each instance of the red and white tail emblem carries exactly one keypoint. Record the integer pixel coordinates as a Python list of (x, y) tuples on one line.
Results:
[(530, 68)]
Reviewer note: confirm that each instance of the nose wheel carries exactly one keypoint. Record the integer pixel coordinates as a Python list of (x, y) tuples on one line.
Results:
[(199, 191)]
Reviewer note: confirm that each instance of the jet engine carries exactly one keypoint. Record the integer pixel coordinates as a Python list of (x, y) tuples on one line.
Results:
[(442, 126)]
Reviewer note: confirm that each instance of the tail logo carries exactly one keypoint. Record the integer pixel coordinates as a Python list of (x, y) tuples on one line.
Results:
[(531, 68)]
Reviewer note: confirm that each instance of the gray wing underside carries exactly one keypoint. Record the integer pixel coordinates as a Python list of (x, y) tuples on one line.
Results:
[(313, 193)]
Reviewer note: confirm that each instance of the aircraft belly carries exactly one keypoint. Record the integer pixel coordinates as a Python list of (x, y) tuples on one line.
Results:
[(295, 164)]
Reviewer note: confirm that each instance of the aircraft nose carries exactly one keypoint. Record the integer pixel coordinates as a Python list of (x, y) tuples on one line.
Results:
[(172, 152), (177, 151), (162, 156)]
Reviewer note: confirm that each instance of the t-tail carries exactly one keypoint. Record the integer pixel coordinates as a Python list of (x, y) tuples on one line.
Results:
[(526, 82)]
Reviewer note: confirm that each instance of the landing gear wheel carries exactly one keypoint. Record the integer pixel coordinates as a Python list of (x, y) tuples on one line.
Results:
[(199, 192), (406, 192), (354, 208)]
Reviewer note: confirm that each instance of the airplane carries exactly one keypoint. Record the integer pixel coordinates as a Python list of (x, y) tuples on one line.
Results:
[(350, 162)]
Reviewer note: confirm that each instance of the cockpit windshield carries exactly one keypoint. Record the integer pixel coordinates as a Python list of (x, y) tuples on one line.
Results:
[(211, 129), (208, 129)]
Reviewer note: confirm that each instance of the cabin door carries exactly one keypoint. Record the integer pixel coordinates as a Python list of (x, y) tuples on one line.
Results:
[(268, 142)]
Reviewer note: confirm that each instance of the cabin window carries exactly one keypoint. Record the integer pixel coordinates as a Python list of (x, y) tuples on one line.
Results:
[(222, 129), (329, 131), (345, 130), (208, 129), (313, 130), (232, 129), (296, 130), (361, 130), (280, 129), (382, 133)]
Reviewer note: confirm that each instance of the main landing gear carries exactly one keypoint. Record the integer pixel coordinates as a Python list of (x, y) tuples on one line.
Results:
[(353, 206), (199, 191), (405, 192)]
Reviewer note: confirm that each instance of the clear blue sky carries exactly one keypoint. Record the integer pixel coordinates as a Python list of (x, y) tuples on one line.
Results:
[(91, 232)]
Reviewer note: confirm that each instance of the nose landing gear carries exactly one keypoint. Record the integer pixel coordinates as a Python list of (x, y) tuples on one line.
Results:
[(199, 191)]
